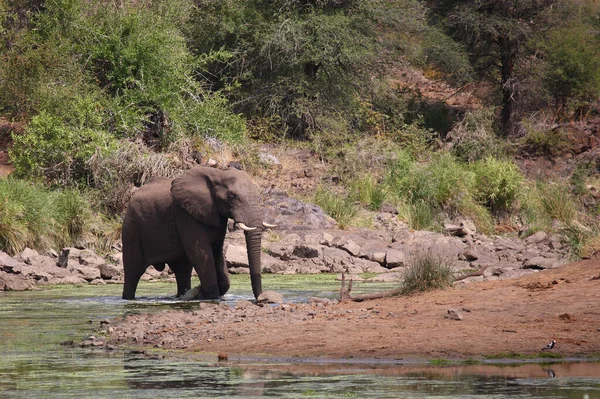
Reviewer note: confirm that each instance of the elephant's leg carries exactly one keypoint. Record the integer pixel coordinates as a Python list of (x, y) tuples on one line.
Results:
[(183, 276), (204, 264), (221, 269), (132, 278)]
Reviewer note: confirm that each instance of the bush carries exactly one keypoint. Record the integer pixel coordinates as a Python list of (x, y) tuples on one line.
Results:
[(342, 209), (426, 272), (32, 216), (421, 216), (497, 183), (473, 138), (50, 149), (547, 143), (558, 203), (369, 192)]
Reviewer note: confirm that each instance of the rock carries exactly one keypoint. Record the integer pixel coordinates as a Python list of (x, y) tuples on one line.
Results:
[(394, 258), (88, 273), (270, 297), (16, 282), (378, 257), (347, 245), (63, 258), (453, 314), (455, 230), (27, 255), (70, 279), (244, 305), (539, 262), (470, 255), (90, 258), (516, 273), (7, 262), (536, 237), (306, 251), (109, 272), (236, 256)]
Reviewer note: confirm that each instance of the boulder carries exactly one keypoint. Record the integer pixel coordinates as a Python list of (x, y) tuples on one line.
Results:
[(536, 237), (270, 297), (88, 273), (539, 262), (347, 245), (307, 251), (16, 282), (394, 258), (236, 256), (109, 272)]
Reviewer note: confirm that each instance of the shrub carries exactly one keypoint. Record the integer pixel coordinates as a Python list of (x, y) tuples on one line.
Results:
[(48, 148), (341, 208), (369, 192), (497, 183), (32, 216), (547, 143), (473, 138), (558, 203), (421, 215), (442, 182), (426, 271)]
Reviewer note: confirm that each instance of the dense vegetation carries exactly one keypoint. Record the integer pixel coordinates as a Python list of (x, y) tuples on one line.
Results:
[(110, 94)]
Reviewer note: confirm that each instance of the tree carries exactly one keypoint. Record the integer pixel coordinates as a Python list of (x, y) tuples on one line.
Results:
[(497, 33)]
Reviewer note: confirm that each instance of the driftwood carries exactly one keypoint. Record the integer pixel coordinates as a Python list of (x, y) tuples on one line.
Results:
[(345, 291)]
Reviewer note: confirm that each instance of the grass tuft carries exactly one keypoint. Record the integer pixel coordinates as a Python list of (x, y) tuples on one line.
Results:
[(427, 271)]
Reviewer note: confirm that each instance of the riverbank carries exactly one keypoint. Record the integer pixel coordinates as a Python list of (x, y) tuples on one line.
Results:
[(506, 318)]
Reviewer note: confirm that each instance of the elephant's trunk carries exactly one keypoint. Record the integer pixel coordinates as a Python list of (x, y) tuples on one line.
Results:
[(253, 246)]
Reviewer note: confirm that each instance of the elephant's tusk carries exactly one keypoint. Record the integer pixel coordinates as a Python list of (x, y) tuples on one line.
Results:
[(245, 228), (269, 225)]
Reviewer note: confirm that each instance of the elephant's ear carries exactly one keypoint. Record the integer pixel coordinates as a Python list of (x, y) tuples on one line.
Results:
[(193, 191)]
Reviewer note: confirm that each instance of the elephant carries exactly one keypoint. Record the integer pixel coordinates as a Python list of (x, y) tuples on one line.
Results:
[(182, 222)]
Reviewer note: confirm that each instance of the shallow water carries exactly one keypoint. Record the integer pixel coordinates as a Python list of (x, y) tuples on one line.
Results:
[(34, 364)]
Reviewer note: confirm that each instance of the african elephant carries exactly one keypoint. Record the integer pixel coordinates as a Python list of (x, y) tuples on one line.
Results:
[(182, 222)]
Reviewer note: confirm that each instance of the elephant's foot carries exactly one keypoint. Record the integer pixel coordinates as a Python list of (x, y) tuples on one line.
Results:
[(192, 294)]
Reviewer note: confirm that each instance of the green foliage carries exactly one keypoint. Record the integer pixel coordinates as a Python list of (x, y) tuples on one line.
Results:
[(572, 64), (31, 216), (558, 203), (497, 183), (342, 209), (421, 215), (549, 143), (369, 192), (49, 148), (308, 63), (426, 271), (473, 138)]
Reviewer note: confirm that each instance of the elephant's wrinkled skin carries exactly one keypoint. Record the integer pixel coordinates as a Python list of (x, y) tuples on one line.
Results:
[(182, 222)]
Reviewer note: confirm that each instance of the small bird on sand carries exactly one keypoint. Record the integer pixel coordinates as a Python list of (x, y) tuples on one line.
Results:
[(549, 346)]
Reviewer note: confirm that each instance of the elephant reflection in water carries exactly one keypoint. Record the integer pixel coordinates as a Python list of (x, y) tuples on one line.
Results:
[(182, 222)]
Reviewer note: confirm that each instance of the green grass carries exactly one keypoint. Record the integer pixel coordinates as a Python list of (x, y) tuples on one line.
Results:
[(514, 355), (341, 208), (426, 271)]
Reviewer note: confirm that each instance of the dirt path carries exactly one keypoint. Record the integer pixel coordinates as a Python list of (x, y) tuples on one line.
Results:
[(519, 316)]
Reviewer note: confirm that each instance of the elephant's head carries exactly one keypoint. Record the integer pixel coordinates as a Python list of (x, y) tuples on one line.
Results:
[(212, 196)]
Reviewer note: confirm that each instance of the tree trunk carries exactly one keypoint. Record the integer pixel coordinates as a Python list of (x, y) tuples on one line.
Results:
[(509, 86)]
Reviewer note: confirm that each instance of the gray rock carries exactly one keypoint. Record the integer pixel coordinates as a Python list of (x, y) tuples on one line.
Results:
[(27, 255), (539, 262), (394, 258), (536, 237), (378, 257), (7, 262), (455, 230), (236, 256), (109, 272), (470, 255), (270, 297), (90, 258), (306, 251), (454, 314), (88, 273), (516, 273), (16, 282), (347, 245)]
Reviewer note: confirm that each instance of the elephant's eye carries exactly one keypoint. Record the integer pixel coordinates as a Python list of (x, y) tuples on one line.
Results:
[(230, 197)]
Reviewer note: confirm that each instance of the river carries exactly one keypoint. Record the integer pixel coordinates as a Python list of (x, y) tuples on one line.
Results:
[(37, 361)]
